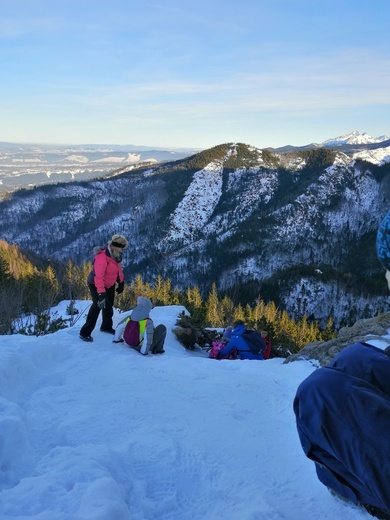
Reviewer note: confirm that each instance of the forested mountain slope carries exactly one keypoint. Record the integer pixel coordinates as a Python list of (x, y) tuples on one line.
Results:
[(297, 227)]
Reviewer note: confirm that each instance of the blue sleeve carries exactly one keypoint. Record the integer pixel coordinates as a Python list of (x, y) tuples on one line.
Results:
[(232, 344)]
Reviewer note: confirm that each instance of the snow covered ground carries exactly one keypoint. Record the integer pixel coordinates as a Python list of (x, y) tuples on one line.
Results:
[(95, 431)]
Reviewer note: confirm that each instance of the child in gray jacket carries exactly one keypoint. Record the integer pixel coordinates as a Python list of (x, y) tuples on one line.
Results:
[(148, 337)]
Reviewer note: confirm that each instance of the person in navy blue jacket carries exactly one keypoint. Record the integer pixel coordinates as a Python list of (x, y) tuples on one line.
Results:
[(237, 342), (343, 417)]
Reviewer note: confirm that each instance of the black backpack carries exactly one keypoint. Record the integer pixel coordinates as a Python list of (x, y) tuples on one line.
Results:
[(254, 341)]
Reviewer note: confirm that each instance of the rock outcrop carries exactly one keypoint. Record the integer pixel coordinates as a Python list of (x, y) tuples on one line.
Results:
[(374, 329)]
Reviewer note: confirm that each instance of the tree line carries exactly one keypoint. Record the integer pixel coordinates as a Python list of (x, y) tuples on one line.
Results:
[(30, 290)]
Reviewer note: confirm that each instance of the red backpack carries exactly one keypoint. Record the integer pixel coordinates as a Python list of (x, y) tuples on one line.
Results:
[(267, 351), (134, 332)]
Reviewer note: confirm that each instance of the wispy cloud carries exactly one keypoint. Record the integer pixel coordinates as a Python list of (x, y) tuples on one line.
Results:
[(212, 63)]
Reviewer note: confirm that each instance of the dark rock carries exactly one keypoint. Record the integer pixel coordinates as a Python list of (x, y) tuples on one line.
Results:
[(363, 330)]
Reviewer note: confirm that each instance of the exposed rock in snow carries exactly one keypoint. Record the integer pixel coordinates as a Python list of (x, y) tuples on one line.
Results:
[(373, 330)]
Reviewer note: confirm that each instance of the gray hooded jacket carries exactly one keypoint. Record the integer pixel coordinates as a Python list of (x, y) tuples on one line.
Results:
[(140, 312)]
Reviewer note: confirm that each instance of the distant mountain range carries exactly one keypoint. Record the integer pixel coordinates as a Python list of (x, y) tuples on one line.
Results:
[(355, 138), (347, 142), (295, 226), (29, 165)]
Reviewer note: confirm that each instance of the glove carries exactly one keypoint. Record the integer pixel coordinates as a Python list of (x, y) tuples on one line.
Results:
[(101, 303), (121, 286)]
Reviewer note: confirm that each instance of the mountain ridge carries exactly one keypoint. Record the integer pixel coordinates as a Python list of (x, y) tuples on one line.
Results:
[(289, 226), (354, 137), (27, 165)]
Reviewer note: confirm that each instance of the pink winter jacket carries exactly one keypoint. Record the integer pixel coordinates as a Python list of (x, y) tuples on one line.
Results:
[(107, 271)]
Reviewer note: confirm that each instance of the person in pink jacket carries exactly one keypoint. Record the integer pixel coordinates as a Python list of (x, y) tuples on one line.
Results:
[(106, 272)]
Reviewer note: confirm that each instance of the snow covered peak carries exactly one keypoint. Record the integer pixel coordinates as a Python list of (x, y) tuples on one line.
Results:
[(379, 156), (354, 137)]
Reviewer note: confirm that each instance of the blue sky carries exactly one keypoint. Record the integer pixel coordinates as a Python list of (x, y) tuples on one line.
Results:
[(179, 73)]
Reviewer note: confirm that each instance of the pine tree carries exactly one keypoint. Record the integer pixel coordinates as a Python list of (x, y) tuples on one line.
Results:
[(166, 295), (157, 290), (5, 273), (258, 314), (194, 304), (140, 288), (329, 332), (75, 281), (177, 297), (194, 297), (212, 308), (226, 311), (239, 313), (8, 310)]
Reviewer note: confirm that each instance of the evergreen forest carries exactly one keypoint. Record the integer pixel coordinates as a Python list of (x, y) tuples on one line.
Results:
[(29, 289)]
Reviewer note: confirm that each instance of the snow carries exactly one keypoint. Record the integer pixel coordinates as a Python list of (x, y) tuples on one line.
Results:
[(95, 431), (379, 156), (197, 205), (76, 158), (354, 137), (120, 159)]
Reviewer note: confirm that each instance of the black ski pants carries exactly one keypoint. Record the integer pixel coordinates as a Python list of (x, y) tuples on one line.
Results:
[(94, 311)]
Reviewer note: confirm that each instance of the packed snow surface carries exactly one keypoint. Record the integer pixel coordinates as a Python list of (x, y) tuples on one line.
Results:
[(95, 431)]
